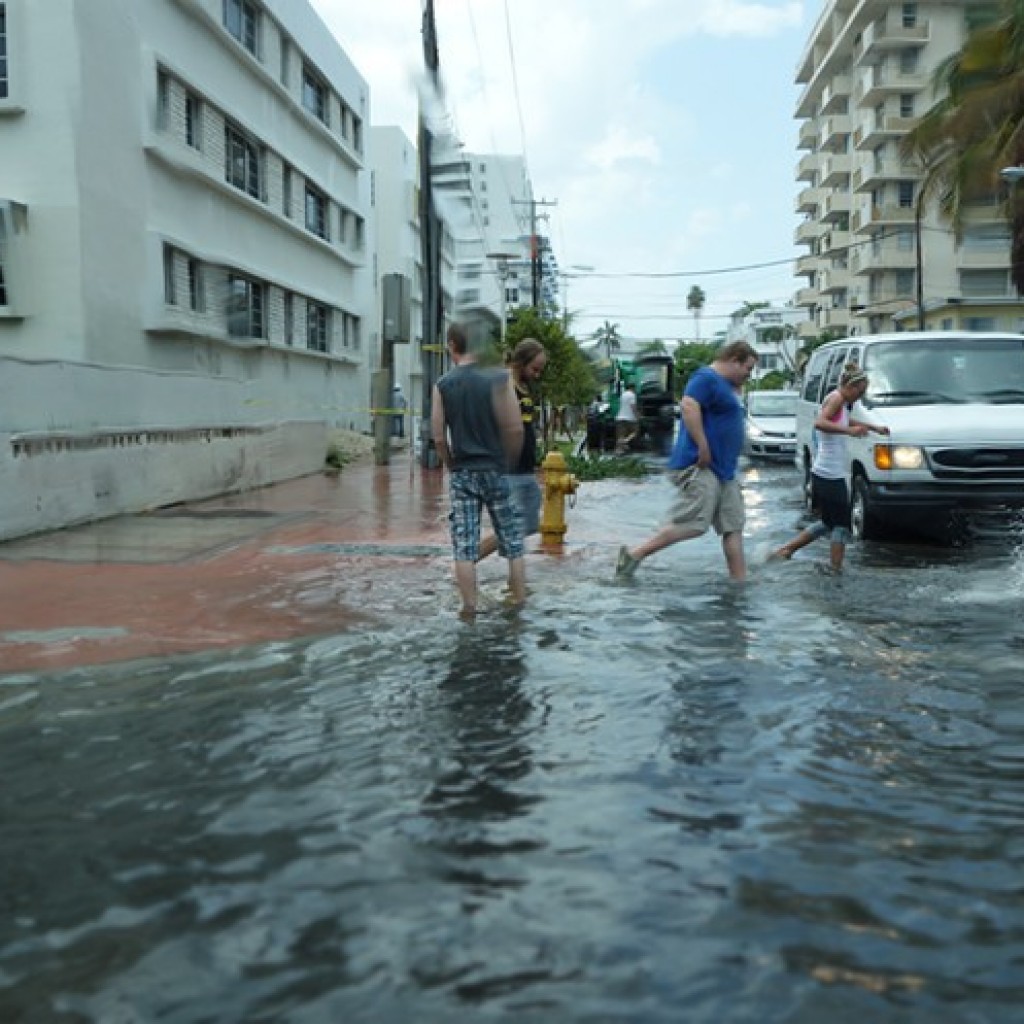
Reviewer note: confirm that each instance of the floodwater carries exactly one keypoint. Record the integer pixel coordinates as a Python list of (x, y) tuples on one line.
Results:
[(676, 799)]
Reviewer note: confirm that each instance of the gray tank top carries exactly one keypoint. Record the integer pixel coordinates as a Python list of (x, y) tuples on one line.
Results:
[(475, 440)]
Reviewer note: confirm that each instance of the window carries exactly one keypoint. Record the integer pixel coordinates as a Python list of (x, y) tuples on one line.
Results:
[(289, 318), (170, 288), (983, 283), (196, 295), (315, 95), (4, 80), (994, 238), (980, 323), (316, 213), (193, 122), (908, 61), (317, 323), (909, 15), (904, 283), (244, 307), (163, 101), (242, 162), (286, 187), (906, 104), (285, 50), (906, 193), (241, 19), (905, 239)]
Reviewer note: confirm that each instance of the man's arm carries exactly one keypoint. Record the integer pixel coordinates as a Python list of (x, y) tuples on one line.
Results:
[(510, 420), (693, 420), (437, 429)]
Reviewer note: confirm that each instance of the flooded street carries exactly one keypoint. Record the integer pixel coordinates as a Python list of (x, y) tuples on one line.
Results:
[(673, 799)]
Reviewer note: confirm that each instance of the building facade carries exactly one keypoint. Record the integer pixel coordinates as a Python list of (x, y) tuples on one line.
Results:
[(186, 281), (878, 259), (773, 331)]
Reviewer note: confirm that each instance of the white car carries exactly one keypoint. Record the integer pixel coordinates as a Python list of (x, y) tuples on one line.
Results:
[(771, 424), (954, 404)]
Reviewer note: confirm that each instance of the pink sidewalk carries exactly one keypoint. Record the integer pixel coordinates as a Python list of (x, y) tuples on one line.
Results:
[(301, 558)]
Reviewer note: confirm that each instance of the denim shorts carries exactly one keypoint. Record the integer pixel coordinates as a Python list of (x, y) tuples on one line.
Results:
[(471, 491), (526, 495)]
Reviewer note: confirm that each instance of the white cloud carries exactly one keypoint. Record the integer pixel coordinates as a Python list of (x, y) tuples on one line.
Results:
[(636, 119)]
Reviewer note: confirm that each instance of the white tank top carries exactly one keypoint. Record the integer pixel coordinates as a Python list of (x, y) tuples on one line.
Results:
[(830, 456)]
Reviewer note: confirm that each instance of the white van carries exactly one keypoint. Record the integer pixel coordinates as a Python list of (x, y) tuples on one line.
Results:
[(954, 405)]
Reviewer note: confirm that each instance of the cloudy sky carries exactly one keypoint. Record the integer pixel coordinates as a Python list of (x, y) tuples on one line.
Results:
[(662, 129)]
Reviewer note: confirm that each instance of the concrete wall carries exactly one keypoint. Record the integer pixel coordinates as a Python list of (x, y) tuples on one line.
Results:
[(81, 442)]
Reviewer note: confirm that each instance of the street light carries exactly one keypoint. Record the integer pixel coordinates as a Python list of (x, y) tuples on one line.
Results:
[(502, 261)]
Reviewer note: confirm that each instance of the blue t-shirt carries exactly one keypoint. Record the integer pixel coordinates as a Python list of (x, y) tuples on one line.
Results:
[(724, 425)]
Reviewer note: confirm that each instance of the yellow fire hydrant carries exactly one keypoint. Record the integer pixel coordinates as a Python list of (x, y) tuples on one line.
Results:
[(558, 483)]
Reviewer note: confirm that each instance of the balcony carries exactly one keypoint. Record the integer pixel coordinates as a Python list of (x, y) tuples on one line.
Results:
[(835, 279), (880, 129), (836, 239), (807, 297), (835, 169), (808, 138), (877, 172), (836, 207), (882, 37), (809, 232), (890, 213), (879, 259), (834, 130), (833, 319), (982, 260), (808, 200), (807, 266), (836, 95), (807, 168), (877, 83)]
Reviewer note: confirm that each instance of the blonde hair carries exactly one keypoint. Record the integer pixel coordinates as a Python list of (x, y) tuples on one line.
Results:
[(852, 374)]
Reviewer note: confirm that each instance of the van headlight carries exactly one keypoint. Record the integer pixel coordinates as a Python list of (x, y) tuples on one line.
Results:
[(753, 430), (898, 456)]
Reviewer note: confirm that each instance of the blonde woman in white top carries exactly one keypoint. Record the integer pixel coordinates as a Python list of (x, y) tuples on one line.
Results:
[(830, 497)]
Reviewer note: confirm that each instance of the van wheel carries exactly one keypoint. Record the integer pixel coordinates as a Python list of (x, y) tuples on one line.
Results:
[(863, 518)]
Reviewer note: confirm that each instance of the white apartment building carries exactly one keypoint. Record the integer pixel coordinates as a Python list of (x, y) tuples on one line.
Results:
[(773, 331), (186, 292), (867, 74)]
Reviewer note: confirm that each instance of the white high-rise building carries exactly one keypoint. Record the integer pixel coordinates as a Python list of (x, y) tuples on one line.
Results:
[(186, 295), (867, 75)]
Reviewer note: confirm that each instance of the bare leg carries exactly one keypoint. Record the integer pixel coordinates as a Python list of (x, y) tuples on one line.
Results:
[(488, 545), (517, 580), (465, 580), (801, 540), (837, 551), (665, 537), (732, 545)]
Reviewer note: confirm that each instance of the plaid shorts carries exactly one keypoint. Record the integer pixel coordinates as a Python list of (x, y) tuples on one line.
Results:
[(470, 492)]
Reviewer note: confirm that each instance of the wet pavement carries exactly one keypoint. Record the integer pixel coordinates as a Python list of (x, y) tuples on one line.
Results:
[(301, 558)]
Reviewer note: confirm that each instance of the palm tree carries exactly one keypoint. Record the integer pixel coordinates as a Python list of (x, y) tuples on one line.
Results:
[(695, 302), (977, 127), (608, 335)]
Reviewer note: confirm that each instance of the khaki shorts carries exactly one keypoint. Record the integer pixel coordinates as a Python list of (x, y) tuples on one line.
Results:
[(703, 501)]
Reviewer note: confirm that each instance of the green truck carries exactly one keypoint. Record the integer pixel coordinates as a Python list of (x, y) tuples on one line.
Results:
[(653, 377)]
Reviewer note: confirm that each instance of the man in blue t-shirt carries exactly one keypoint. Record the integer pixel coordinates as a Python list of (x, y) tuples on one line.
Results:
[(703, 463)]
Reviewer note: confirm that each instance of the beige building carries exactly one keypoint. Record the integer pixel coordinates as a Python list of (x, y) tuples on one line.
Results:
[(876, 259)]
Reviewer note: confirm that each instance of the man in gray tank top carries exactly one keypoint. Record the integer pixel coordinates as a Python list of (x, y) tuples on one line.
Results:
[(478, 432)]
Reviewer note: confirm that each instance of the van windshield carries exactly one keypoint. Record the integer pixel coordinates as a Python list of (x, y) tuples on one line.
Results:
[(959, 369)]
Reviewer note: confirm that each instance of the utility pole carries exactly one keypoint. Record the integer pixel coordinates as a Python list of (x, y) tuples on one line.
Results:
[(535, 245), (919, 284), (430, 248)]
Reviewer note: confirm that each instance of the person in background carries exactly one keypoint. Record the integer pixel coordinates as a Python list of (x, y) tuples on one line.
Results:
[(528, 361), (626, 419), (704, 462), (478, 431), (830, 497), (399, 405)]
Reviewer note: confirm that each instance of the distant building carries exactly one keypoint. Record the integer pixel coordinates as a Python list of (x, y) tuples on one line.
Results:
[(772, 331), (866, 74), (186, 290)]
